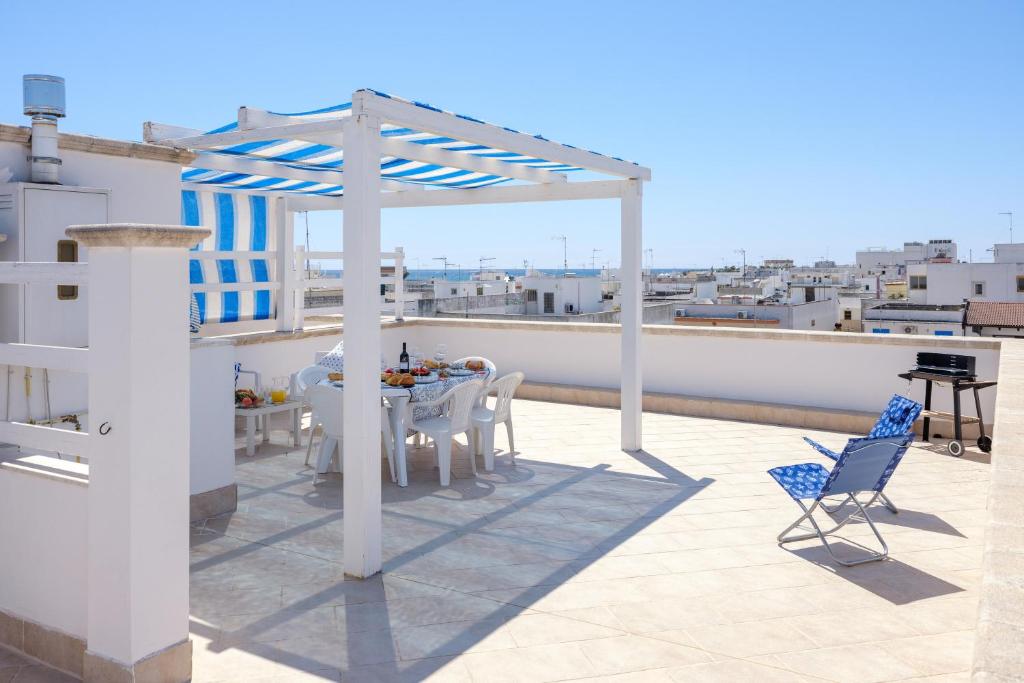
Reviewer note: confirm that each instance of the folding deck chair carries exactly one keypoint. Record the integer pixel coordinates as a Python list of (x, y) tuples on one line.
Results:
[(864, 465), (896, 420)]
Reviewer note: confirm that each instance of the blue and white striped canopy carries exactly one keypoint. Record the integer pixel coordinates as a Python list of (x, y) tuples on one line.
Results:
[(308, 156), (237, 223)]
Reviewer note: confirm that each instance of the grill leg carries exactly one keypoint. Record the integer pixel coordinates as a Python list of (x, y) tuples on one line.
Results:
[(927, 407), (957, 427), (977, 411)]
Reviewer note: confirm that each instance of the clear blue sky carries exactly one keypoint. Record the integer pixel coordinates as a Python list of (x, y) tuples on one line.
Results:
[(785, 128)]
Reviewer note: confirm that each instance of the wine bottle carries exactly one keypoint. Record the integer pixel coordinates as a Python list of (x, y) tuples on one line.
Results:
[(403, 360)]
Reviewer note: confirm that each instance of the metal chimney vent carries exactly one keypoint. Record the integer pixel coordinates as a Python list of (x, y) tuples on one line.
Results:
[(43, 95)]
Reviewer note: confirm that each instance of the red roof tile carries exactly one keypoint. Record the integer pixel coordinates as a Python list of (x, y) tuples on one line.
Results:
[(995, 314)]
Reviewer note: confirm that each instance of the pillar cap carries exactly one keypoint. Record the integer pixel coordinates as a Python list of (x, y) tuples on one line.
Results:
[(137, 235)]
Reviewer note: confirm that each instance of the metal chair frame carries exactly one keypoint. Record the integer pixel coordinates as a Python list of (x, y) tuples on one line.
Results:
[(907, 411), (873, 476)]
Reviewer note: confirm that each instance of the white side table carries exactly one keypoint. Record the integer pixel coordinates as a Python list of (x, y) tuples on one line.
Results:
[(252, 415)]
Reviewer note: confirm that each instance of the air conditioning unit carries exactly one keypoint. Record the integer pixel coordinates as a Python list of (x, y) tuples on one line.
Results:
[(910, 329), (741, 315)]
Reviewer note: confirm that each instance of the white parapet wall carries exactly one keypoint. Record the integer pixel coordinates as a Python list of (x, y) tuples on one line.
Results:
[(43, 502), (823, 371)]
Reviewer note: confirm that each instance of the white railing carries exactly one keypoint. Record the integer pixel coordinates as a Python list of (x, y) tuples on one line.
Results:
[(287, 279), (59, 358), (302, 284)]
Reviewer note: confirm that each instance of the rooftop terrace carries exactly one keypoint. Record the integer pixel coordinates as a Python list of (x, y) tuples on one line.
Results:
[(583, 561)]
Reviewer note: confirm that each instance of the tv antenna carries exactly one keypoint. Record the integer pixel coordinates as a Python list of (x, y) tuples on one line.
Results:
[(593, 258), (444, 261), (484, 259), (565, 252), (1010, 214)]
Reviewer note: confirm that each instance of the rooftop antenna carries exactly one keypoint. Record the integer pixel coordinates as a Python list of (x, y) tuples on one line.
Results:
[(743, 252), (565, 252), (444, 261), (1010, 214), (593, 258), (484, 259)]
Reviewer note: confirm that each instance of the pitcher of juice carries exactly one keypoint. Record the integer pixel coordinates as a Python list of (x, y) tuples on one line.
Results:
[(279, 390)]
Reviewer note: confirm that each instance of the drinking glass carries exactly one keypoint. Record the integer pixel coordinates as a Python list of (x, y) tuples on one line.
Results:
[(279, 390)]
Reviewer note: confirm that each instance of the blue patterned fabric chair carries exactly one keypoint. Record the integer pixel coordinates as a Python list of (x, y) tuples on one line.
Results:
[(865, 465), (896, 420)]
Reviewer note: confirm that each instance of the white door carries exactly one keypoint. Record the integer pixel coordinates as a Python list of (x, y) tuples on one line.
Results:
[(52, 315)]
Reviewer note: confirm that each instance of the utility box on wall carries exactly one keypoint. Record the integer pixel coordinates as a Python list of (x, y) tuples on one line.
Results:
[(33, 217)]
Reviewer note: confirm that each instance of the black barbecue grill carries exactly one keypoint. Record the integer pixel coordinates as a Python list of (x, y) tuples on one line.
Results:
[(958, 372)]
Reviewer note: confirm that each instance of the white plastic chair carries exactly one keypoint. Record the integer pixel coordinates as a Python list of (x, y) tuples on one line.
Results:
[(485, 419), (328, 403), (492, 372), (304, 379), (456, 407)]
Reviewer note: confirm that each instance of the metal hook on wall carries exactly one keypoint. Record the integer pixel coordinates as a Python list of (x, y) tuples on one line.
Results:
[(104, 432)]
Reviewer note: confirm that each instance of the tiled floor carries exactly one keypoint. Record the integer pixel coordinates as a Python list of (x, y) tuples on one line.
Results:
[(17, 669), (584, 562)]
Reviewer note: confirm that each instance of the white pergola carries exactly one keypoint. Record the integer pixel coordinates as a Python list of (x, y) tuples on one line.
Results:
[(395, 154)]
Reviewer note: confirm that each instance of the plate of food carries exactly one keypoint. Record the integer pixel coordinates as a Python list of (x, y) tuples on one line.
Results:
[(460, 372), (247, 398), (397, 379), (423, 375)]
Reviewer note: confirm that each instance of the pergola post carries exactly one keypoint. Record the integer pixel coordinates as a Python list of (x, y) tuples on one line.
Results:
[(399, 283), (631, 314), (285, 274), (361, 281)]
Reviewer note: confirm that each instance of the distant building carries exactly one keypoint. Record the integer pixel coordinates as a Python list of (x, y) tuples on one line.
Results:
[(561, 295), (898, 317), (873, 259), (994, 318), (817, 315), (949, 283), (778, 263)]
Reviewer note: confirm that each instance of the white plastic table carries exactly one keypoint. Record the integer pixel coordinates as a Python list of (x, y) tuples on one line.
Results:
[(399, 399), (252, 415)]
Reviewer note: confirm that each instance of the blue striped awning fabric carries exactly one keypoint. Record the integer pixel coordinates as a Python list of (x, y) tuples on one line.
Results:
[(310, 156), (237, 223)]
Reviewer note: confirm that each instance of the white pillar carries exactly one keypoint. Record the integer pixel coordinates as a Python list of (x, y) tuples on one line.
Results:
[(300, 286), (283, 218), (631, 314), (399, 283), (138, 511), (361, 281)]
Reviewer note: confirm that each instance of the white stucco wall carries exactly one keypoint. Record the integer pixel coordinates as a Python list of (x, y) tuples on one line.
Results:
[(43, 540)]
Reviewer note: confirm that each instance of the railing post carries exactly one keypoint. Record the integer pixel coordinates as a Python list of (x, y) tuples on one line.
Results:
[(138, 504), (399, 283), (299, 286), (285, 265)]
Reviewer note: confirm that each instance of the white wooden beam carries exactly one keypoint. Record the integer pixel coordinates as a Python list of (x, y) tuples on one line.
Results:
[(548, 192), (285, 272), (631, 316), (50, 357), (362, 397), (441, 123), (18, 273), (327, 132), (432, 154), (45, 438)]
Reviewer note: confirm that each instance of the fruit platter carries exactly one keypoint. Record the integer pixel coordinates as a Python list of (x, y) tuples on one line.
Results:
[(247, 398)]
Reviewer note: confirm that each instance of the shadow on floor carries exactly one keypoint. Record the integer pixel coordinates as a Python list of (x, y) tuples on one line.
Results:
[(369, 621), (895, 581)]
